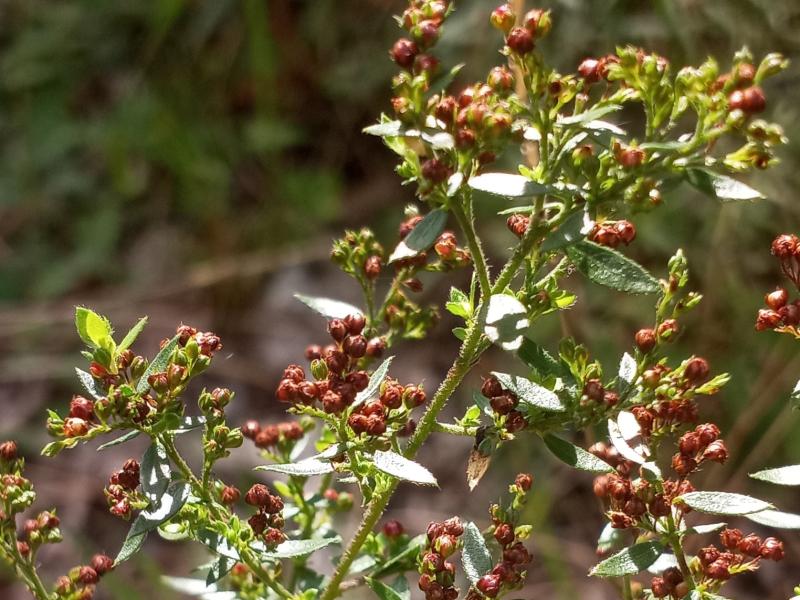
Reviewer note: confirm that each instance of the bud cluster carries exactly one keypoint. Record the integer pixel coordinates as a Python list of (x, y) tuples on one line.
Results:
[(275, 438), (782, 314), (740, 553), (698, 446), (613, 233), (670, 583), (80, 582), (595, 392), (437, 574), (121, 491), (267, 523), (504, 404), (392, 408)]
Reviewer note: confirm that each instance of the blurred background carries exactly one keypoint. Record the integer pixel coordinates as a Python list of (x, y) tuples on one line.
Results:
[(192, 160)]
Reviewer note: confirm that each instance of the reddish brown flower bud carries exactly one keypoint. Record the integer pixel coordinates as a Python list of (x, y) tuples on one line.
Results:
[(767, 319), (313, 352), (453, 526), (772, 549), (435, 170), (518, 224), (718, 570), (445, 110), (708, 555), (645, 340), (87, 575), (434, 530), (333, 403), (355, 323), (404, 52), (258, 523), (102, 564), (730, 538), (372, 267), (504, 534), (750, 100), (588, 70), (355, 345), (258, 495), (489, 585), (376, 347), (716, 452), (287, 391), (750, 545), (251, 429), (626, 231), (785, 246), (517, 554), (515, 421), (491, 387), (414, 396), (501, 79), (697, 370), (376, 425), (81, 408), (524, 481), (97, 370), (707, 433), (358, 423), (520, 40), (337, 329), (631, 157), (268, 437), (229, 495), (393, 529), (683, 465), (659, 587), (790, 314), (336, 360), (659, 506), (777, 299), (503, 18), (8, 451), (74, 427), (689, 444), (600, 486), (668, 329), (594, 390), (446, 245), (432, 562)]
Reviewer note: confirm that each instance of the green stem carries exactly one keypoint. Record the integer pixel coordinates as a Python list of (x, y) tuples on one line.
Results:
[(479, 259), (680, 556), (27, 572), (627, 593)]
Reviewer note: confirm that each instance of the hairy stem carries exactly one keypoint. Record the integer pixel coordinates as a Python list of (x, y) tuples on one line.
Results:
[(479, 260), (27, 572), (680, 555)]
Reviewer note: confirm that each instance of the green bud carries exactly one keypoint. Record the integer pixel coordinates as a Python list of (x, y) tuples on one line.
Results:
[(772, 64), (319, 369), (138, 366), (234, 439)]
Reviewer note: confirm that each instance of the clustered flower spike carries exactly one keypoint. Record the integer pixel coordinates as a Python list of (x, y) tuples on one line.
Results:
[(267, 523), (739, 554), (781, 313)]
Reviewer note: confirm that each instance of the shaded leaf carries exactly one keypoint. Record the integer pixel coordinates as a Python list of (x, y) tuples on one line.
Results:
[(475, 555), (134, 332), (294, 548), (90, 384), (574, 456), (155, 472), (629, 561), (608, 267), (328, 308), (397, 591), (406, 556), (402, 468), (171, 501), (422, 236), (219, 569), (131, 545), (120, 440)]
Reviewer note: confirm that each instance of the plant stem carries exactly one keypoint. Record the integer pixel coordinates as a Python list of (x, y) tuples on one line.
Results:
[(27, 572), (627, 593), (468, 227), (454, 429), (680, 556)]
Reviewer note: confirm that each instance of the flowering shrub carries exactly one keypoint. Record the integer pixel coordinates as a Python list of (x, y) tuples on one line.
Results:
[(581, 180)]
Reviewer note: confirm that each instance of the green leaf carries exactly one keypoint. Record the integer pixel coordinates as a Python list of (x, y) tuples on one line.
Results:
[(609, 539), (190, 424), (294, 548), (781, 476), (629, 561), (170, 502), (540, 360), (120, 440), (375, 380), (721, 187), (589, 115), (131, 545), (397, 591), (134, 332), (573, 229), (722, 503), (93, 328), (89, 384), (529, 392), (303, 468), (506, 321), (159, 364), (627, 369), (328, 308), (574, 456), (407, 555), (422, 236), (155, 472), (217, 543), (610, 268), (475, 555), (507, 185), (459, 304), (775, 518), (400, 467)]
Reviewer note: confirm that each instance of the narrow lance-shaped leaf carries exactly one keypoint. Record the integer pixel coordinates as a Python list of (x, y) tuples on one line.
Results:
[(155, 472), (170, 502), (328, 308), (131, 545), (158, 365), (475, 555), (573, 229), (397, 591), (90, 384), (530, 393), (294, 548), (575, 456), (775, 518), (781, 476), (629, 561), (422, 236), (134, 332), (303, 468), (589, 115), (609, 268), (400, 467), (375, 380), (721, 187), (722, 503), (507, 185), (120, 440)]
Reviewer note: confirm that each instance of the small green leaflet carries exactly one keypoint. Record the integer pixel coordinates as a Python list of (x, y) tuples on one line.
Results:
[(397, 591), (529, 392), (507, 185), (540, 360), (159, 364), (93, 329), (475, 555), (120, 440), (722, 503), (721, 187), (573, 229), (776, 518), (408, 554), (217, 543), (303, 468), (400, 467), (89, 384), (328, 308), (459, 304), (134, 332), (589, 115), (629, 561), (608, 267), (781, 476), (170, 502), (422, 236), (575, 456), (375, 380)]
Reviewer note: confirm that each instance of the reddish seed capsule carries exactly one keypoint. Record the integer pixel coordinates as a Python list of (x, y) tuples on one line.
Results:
[(491, 387), (750, 545), (81, 408), (631, 158), (718, 570), (393, 529), (372, 267), (489, 585), (404, 52), (355, 345), (229, 495), (520, 40), (767, 319), (645, 340), (446, 245), (74, 427), (777, 299), (102, 564), (258, 495), (730, 538), (435, 170), (503, 18), (376, 347), (515, 421), (414, 396), (593, 389), (504, 534), (588, 70), (313, 351), (689, 444), (785, 246), (772, 549), (337, 329), (8, 451), (258, 523), (659, 588), (355, 323), (716, 452), (524, 481), (697, 370), (683, 465), (518, 224), (87, 575)]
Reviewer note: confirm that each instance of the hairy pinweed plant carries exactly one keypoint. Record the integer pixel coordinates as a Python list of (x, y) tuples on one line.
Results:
[(580, 181)]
